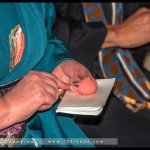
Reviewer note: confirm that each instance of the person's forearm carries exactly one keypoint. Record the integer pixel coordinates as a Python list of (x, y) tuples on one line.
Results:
[(132, 32), (5, 118)]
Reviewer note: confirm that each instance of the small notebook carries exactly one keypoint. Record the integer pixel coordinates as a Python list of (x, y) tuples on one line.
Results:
[(73, 103)]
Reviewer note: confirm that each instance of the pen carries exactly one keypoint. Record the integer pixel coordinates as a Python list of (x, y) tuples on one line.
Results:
[(60, 90), (75, 84)]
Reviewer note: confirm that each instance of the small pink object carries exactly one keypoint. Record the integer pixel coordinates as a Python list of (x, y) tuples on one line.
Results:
[(86, 87)]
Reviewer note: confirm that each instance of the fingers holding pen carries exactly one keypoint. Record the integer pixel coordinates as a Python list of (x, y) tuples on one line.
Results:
[(55, 82), (53, 87), (35, 91)]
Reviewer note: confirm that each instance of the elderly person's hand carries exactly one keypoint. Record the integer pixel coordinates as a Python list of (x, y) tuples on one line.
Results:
[(39, 91), (133, 32), (36, 91), (70, 71)]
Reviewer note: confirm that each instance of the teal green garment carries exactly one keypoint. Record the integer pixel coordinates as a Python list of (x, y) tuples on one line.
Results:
[(42, 52), (36, 20)]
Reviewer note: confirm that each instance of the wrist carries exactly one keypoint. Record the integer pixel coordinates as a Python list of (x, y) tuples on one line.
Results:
[(6, 118), (111, 37)]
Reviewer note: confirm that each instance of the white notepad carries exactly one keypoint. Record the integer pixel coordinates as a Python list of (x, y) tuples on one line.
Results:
[(86, 104)]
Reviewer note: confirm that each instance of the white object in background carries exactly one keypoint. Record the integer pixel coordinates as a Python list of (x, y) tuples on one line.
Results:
[(146, 62)]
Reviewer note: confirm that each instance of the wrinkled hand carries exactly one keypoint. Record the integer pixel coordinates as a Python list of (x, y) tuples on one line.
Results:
[(36, 91), (133, 32), (70, 70)]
